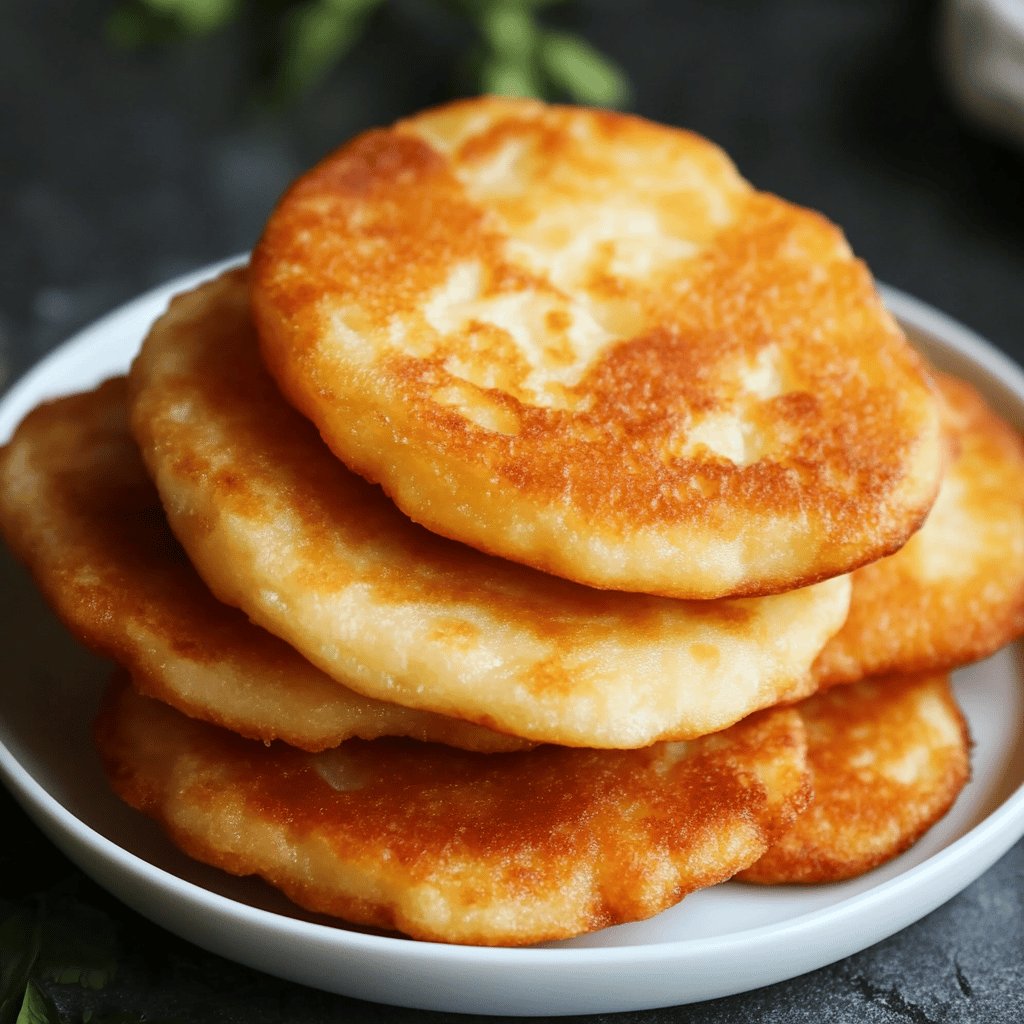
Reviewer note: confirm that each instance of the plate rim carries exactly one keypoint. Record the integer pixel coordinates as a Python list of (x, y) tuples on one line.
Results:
[(975, 851), (26, 786)]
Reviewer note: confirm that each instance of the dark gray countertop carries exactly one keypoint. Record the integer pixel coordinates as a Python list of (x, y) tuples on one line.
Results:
[(120, 171)]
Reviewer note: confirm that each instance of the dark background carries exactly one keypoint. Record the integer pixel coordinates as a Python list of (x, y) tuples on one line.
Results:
[(119, 170)]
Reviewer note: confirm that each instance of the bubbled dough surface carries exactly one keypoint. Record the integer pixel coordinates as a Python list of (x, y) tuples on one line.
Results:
[(580, 340), (280, 528)]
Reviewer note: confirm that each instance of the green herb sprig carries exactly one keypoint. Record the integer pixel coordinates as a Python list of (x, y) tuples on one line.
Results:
[(55, 938), (514, 53)]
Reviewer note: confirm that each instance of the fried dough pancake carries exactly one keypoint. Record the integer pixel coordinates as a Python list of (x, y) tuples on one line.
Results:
[(78, 509), (955, 592), (888, 758), (454, 846), (582, 341), (277, 526)]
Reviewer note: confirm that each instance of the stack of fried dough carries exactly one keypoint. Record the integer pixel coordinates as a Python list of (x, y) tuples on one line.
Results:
[(544, 526)]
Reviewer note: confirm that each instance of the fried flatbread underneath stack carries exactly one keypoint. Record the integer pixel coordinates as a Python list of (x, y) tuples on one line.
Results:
[(452, 846), (955, 592), (888, 757)]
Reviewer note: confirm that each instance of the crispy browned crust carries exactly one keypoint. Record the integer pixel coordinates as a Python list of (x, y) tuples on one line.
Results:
[(456, 847), (887, 758), (955, 592), (580, 340), (277, 526), (77, 507)]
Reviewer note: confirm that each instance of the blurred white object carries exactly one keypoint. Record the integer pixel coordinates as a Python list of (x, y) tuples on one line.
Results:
[(984, 51)]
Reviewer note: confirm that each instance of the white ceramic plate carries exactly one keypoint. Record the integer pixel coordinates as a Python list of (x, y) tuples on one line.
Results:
[(725, 940)]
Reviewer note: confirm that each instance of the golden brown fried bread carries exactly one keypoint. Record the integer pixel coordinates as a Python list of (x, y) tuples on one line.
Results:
[(955, 592), (277, 526), (458, 847), (888, 758), (78, 508), (582, 341)]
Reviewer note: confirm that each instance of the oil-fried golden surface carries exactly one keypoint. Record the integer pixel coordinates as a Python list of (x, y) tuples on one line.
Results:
[(887, 759), (77, 507), (955, 592), (453, 846), (277, 526), (580, 340)]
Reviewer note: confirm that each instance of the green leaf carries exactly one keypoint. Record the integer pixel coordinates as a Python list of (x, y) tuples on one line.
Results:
[(510, 31), (585, 73), (355, 7), (55, 937), (508, 78), (20, 941), (196, 16), (317, 36), (37, 1008)]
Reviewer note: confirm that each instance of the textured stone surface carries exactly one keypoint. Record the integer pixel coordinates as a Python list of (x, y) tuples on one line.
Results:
[(122, 170)]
